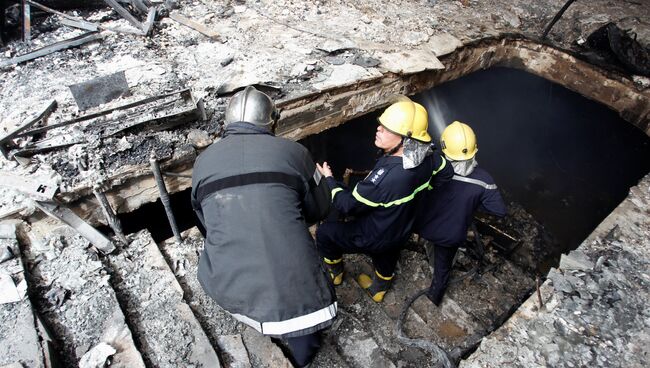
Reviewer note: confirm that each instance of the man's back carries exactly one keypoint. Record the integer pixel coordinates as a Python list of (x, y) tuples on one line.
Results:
[(445, 214), (250, 190)]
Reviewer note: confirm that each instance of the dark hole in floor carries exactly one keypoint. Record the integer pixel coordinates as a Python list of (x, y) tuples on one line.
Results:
[(567, 160)]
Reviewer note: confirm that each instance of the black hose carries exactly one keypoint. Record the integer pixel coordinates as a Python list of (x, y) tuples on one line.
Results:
[(556, 18), (440, 357)]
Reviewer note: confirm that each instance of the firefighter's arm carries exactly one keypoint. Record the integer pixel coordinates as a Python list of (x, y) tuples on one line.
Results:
[(442, 173), (358, 201), (492, 203)]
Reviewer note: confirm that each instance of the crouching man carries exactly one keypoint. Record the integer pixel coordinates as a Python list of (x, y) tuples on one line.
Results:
[(255, 193)]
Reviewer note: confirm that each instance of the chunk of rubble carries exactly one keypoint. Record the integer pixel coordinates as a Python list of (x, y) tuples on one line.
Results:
[(19, 338), (409, 61), (83, 311), (153, 300), (97, 356), (576, 260)]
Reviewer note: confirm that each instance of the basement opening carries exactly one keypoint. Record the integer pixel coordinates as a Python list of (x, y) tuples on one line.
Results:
[(563, 159), (562, 162)]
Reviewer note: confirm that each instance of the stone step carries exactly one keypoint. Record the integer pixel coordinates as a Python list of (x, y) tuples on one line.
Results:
[(355, 302), (76, 300), (356, 344), (221, 328), (19, 337), (167, 332), (447, 326)]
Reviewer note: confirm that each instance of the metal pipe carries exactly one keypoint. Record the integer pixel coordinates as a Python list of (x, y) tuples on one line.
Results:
[(111, 218), (164, 196)]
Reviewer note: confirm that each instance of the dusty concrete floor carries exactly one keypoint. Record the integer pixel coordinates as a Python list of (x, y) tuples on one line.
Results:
[(296, 49)]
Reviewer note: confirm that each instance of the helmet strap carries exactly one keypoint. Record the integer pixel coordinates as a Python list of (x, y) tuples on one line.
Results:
[(392, 151)]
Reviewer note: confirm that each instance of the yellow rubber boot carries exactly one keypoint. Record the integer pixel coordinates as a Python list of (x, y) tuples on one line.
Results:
[(335, 269), (376, 287)]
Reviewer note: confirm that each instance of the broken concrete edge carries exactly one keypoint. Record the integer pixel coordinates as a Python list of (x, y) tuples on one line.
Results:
[(28, 336), (579, 263)]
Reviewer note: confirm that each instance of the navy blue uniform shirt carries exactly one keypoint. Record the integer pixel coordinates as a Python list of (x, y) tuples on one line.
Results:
[(444, 215), (384, 202)]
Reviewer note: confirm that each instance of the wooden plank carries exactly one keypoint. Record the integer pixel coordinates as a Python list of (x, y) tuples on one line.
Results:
[(66, 44), (148, 24), (66, 216), (124, 13), (16, 132), (195, 26), (88, 26)]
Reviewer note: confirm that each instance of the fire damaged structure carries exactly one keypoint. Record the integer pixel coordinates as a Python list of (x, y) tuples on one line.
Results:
[(105, 105)]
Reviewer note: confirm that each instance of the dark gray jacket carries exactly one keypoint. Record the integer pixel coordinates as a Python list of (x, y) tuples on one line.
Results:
[(255, 194)]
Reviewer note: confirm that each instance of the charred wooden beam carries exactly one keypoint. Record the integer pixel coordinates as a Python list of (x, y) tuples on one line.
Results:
[(112, 220), (153, 113), (195, 26), (5, 142), (66, 44), (164, 196), (66, 216)]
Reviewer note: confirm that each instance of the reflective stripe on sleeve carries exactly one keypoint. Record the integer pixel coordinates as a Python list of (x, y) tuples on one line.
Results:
[(370, 203), (474, 181), (442, 166), (290, 325), (334, 191)]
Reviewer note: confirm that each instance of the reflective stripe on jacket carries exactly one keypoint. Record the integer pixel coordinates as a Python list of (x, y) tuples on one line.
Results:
[(384, 202), (445, 215)]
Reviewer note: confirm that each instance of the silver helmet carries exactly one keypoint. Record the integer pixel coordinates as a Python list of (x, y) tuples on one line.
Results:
[(251, 106)]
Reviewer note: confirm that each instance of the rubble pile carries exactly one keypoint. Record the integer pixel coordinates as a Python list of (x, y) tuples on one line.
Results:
[(594, 310), (71, 291), (141, 305), (165, 327)]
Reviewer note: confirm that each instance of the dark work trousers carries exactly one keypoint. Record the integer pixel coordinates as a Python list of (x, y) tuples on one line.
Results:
[(304, 348), (443, 261), (334, 239)]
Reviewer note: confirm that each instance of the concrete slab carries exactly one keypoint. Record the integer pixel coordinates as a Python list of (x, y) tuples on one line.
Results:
[(80, 306), (19, 340), (165, 326)]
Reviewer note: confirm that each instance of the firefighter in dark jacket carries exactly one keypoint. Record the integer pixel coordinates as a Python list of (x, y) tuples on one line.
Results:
[(255, 193), (383, 204), (443, 218)]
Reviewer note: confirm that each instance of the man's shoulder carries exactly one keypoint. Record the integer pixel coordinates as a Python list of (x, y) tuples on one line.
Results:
[(481, 174)]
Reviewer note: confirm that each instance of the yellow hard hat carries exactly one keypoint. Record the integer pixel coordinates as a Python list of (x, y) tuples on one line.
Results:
[(420, 124), (406, 118), (458, 142)]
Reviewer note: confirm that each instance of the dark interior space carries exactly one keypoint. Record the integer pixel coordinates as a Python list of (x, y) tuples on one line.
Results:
[(567, 160), (152, 217)]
